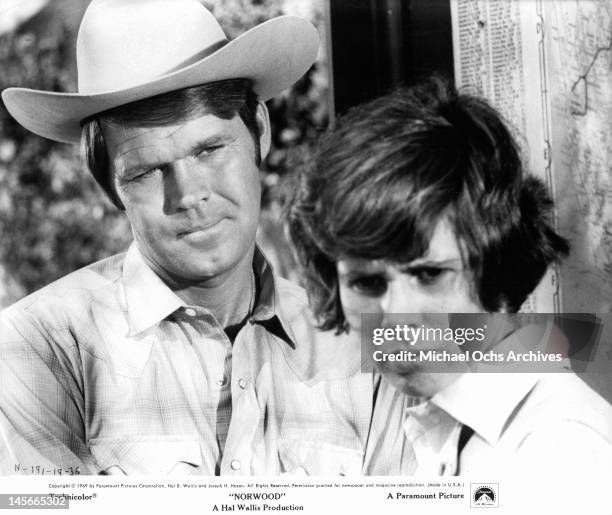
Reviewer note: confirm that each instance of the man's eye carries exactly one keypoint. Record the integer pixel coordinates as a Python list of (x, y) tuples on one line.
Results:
[(427, 275), (369, 285), (206, 151), (145, 174)]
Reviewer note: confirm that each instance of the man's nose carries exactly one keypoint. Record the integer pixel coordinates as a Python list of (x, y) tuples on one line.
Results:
[(187, 183)]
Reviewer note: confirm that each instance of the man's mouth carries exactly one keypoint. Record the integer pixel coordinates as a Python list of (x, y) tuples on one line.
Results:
[(199, 228)]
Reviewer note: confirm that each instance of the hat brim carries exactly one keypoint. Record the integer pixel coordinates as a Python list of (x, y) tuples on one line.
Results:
[(273, 55)]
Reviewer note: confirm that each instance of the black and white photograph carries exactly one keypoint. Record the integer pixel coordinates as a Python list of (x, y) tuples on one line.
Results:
[(306, 255)]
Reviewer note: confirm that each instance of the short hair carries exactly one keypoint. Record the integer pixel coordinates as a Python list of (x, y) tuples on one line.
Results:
[(377, 184), (222, 99)]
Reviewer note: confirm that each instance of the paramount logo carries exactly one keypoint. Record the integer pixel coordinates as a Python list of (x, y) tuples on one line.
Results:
[(484, 495)]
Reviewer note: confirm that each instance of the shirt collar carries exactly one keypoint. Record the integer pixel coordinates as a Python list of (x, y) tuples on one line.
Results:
[(148, 298), (268, 308), (486, 401)]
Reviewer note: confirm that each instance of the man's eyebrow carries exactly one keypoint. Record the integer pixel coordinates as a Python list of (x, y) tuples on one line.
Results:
[(209, 142), (196, 148)]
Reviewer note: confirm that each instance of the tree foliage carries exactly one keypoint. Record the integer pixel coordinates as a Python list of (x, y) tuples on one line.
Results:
[(52, 218)]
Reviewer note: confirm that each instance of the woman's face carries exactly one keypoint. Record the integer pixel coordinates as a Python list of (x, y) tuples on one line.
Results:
[(432, 284)]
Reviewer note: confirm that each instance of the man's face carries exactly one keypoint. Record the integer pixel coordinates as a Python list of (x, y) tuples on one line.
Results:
[(191, 192)]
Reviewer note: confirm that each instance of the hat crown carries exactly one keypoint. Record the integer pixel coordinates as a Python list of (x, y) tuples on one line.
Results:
[(125, 43)]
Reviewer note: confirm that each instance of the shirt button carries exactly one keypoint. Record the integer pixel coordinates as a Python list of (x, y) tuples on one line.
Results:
[(221, 381), (242, 383), (190, 312), (235, 464)]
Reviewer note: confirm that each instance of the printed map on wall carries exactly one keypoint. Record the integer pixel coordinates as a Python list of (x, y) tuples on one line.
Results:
[(579, 53), (547, 65)]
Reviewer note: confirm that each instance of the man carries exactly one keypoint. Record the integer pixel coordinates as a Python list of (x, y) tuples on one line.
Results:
[(186, 354)]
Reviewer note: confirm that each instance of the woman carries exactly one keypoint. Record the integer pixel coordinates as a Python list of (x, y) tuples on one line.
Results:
[(417, 203)]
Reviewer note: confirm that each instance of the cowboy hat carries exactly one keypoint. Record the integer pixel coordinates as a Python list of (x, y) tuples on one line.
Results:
[(128, 50)]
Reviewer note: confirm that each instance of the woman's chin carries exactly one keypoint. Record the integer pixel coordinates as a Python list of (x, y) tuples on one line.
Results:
[(416, 382)]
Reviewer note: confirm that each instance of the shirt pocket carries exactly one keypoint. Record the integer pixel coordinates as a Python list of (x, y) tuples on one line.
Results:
[(316, 459), (148, 455)]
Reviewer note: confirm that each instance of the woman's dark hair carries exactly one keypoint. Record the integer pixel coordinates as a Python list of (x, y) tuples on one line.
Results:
[(222, 99), (377, 184)]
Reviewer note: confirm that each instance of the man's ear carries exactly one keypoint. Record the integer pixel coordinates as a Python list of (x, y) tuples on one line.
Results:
[(263, 122)]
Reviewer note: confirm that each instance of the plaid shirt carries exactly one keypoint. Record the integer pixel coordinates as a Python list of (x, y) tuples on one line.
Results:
[(107, 367)]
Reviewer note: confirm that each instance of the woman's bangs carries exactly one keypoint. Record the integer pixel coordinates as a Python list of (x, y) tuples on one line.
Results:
[(383, 220)]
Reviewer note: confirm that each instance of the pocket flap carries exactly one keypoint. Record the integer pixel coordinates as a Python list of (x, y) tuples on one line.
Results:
[(149, 456), (316, 458)]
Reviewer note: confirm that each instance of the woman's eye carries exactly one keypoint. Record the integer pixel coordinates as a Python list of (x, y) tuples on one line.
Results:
[(369, 285), (427, 275)]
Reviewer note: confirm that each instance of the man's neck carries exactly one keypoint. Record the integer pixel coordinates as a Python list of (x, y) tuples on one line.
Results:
[(229, 296)]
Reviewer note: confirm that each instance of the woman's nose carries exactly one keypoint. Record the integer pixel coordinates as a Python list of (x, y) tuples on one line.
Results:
[(401, 304), (399, 297)]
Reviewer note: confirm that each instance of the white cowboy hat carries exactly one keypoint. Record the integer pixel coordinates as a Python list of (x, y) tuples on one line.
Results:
[(128, 50)]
